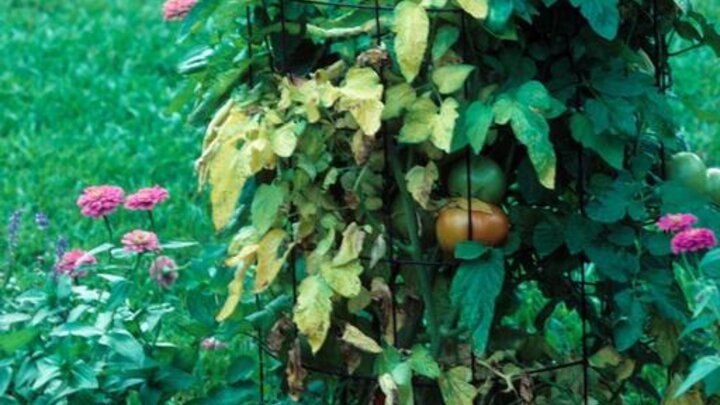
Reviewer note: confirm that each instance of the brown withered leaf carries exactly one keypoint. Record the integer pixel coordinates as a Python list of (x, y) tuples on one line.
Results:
[(380, 291), (375, 58), (279, 333), (361, 146), (295, 372)]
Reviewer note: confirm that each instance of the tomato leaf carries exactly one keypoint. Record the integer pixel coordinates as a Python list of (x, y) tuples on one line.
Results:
[(473, 292), (411, 27), (312, 311), (603, 16), (477, 119), (450, 78), (358, 339), (477, 8), (456, 388), (265, 206), (420, 182)]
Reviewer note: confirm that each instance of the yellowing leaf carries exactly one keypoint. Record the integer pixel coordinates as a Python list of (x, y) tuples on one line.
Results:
[(420, 181), (242, 261), (358, 339), (344, 279), (312, 311), (351, 245), (451, 78), (456, 388), (411, 28), (284, 140), (444, 125), (227, 176), (397, 99), (269, 262), (418, 121), (476, 8), (361, 95)]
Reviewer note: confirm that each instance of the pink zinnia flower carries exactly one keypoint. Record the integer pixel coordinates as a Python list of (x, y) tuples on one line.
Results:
[(71, 261), (146, 199), (693, 240), (98, 201), (164, 271), (212, 343), (177, 9), (674, 223), (140, 241)]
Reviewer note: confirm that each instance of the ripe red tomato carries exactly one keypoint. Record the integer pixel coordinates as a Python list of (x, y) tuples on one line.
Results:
[(490, 225)]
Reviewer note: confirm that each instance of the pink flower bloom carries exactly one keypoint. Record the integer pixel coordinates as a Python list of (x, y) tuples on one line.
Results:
[(212, 343), (177, 9), (98, 201), (164, 271), (140, 241), (71, 261), (693, 240), (673, 223), (146, 199)]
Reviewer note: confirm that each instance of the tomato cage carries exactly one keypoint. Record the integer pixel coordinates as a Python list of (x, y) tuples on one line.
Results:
[(578, 287)]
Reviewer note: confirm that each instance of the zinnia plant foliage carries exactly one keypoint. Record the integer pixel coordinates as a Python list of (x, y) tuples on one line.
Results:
[(331, 135)]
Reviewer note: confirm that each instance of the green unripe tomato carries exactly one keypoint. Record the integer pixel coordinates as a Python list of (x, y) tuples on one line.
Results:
[(713, 184), (486, 178), (688, 169)]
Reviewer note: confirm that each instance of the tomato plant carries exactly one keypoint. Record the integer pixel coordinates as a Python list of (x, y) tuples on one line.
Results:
[(320, 117)]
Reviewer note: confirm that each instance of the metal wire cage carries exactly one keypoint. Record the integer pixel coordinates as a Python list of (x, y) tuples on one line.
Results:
[(577, 281)]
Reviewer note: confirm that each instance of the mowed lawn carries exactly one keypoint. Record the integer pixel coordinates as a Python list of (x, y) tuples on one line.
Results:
[(84, 90)]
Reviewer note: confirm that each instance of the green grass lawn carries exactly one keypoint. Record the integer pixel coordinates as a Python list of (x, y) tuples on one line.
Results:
[(83, 90)]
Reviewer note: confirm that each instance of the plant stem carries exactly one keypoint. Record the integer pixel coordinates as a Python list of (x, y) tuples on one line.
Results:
[(416, 253), (106, 220), (152, 221)]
